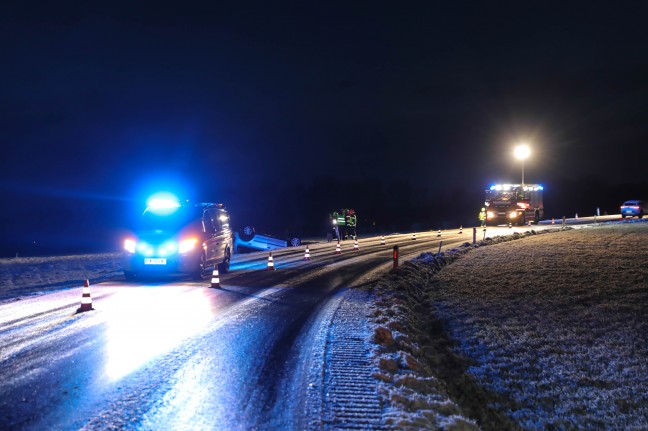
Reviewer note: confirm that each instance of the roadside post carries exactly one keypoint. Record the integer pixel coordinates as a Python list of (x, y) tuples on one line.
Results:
[(395, 256), (439, 252), (474, 235)]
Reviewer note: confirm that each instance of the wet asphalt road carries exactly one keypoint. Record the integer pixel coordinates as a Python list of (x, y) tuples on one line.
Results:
[(173, 354)]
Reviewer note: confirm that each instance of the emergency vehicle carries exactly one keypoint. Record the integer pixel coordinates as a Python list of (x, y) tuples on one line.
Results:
[(514, 203), (175, 237)]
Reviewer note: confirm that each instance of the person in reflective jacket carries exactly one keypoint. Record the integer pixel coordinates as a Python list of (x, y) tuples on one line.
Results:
[(482, 217)]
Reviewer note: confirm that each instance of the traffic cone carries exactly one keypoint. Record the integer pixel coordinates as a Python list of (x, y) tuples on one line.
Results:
[(215, 281), (576, 215), (553, 220), (439, 233), (338, 250), (529, 222), (307, 254), (355, 246), (86, 299), (460, 230), (382, 240), (271, 266), (414, 237), (510, 225)]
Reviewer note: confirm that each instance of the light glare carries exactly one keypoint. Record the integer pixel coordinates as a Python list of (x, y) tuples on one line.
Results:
[(522, 152)]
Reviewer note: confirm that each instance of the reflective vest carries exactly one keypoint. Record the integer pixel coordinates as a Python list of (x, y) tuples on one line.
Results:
[(351, 220)]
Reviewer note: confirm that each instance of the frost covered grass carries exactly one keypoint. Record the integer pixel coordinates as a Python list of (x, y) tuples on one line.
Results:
[(549, 332), (25, 276)]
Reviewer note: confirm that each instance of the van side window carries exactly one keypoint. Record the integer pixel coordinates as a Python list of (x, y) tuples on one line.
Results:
[(219, 219), (208, 224)]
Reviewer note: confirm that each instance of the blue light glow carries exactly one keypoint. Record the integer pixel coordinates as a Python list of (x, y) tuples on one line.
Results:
[(163, 203)]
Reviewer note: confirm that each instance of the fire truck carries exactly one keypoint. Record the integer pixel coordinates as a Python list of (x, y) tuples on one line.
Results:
[(517, 204)]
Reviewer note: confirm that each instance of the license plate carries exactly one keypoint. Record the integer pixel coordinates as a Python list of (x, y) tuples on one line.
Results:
[(156, 261)]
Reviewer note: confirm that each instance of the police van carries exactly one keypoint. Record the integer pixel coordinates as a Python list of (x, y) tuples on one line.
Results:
[(179, 238)]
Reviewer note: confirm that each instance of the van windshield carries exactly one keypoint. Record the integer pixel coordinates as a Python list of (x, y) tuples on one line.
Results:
[(184, 216)]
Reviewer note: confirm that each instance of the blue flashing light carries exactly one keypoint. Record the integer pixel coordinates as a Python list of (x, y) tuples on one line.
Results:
[(162, 203)]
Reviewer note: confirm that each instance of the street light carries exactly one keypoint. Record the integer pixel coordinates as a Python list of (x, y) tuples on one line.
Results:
[(522, 152)]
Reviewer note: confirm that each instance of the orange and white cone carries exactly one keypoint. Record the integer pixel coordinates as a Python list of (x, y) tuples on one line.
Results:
[(215, 281), (355, 246), (439, 233), (86, 299), (307, 254), (413, 236), (510, 225), (553, 220), (338, 250), (271, 266), (382, 240), (460, 229)]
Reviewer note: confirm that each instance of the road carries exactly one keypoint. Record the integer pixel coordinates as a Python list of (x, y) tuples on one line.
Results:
[(283, 349)]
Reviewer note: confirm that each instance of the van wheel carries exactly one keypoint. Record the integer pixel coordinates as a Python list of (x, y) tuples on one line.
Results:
[(201, 272), (536, 217), (224, 266)]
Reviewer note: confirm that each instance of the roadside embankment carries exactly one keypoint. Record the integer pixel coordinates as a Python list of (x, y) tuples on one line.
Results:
[(548, 332)]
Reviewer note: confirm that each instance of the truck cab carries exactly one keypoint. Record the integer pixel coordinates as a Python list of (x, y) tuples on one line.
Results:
[(517, 204)]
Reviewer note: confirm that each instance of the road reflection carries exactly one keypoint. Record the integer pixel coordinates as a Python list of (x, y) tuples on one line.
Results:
[(143, 323)]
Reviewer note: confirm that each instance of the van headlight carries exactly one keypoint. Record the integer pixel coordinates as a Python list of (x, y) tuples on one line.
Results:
[(187, 245), (129, 246), (513, 214)]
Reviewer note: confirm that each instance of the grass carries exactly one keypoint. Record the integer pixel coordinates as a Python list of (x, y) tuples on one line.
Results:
[(548, 332)]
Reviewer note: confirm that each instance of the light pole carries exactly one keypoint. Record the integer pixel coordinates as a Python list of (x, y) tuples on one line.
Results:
[(521, 152)]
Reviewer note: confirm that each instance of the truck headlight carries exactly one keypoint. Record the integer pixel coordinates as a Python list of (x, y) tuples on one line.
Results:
[(513, 214), (490, 214)]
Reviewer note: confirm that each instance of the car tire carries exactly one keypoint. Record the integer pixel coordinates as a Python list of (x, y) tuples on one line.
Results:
[(247, 233), (623, 216), (294, 241), (536, 217), (224, 266), (130, 275)]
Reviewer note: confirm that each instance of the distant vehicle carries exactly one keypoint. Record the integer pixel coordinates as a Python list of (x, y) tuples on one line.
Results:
[(514, 203), (248, 238), (633, 208), (179, 238)]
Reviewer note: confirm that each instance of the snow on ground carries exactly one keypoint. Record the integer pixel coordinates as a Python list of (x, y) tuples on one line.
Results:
[(549, 332), (26, 276)]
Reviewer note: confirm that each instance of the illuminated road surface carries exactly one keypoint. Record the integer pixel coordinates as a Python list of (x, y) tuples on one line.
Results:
[(284, 349)]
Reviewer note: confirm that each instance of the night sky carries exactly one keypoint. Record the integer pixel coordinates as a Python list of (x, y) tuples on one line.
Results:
[(405, 112)]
